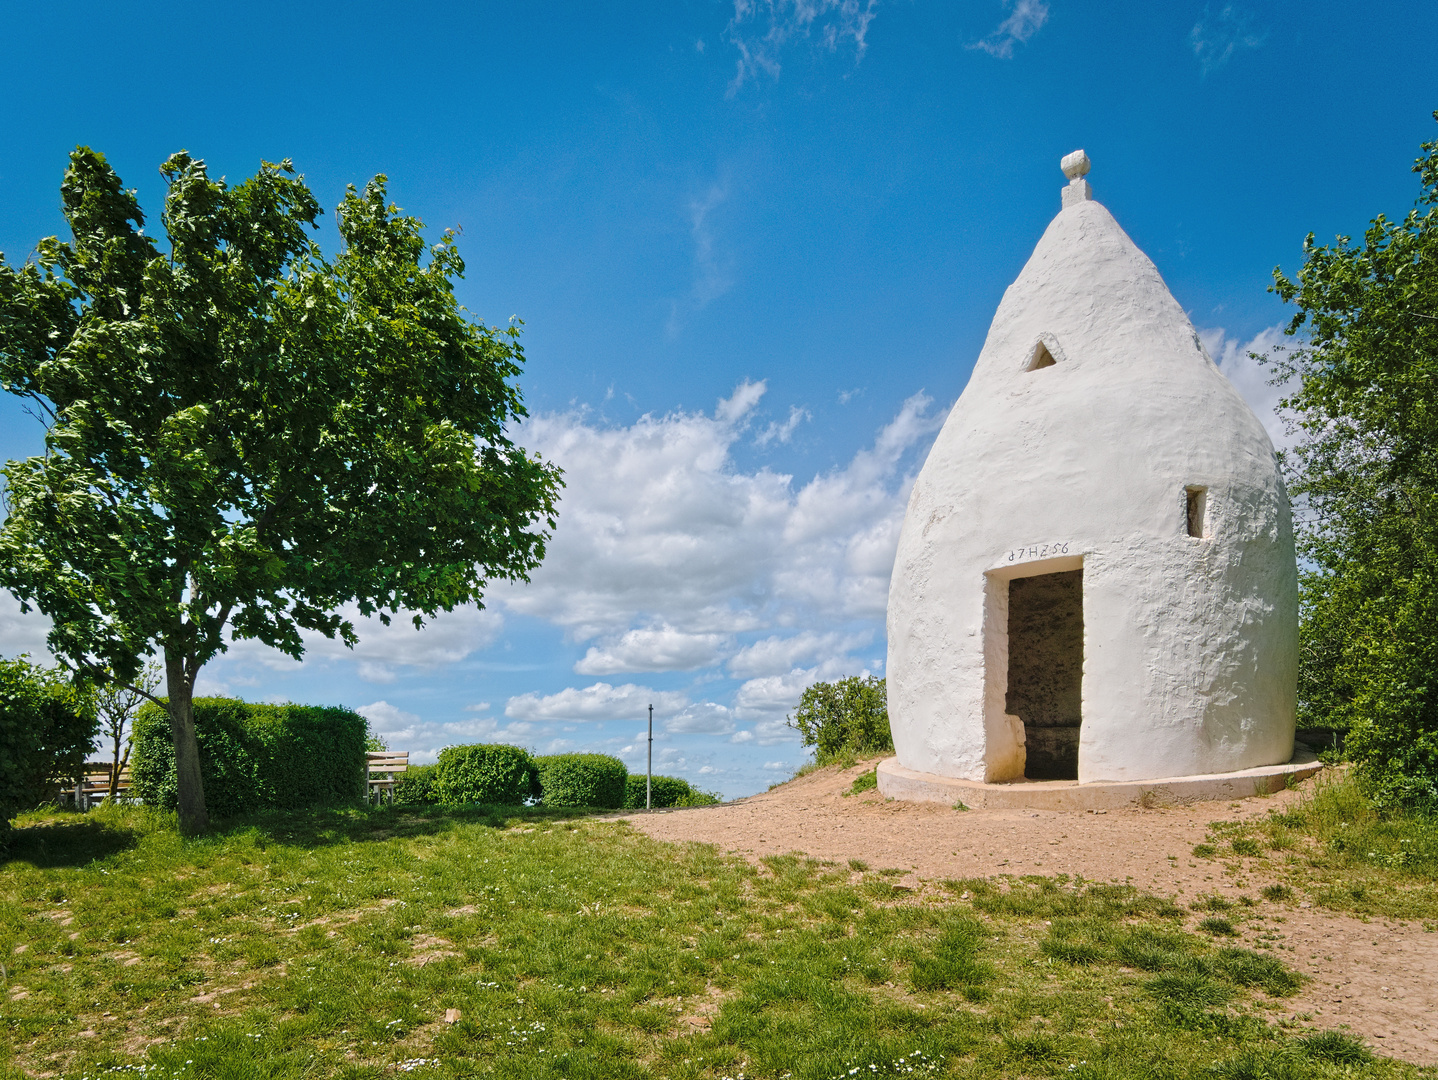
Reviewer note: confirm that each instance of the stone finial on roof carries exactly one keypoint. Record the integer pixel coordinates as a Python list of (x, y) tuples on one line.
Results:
[(1076, 167)]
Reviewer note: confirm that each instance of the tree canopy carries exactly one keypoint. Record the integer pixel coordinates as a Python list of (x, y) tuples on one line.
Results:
[(849, 716), (244, 435), (1365, 478)]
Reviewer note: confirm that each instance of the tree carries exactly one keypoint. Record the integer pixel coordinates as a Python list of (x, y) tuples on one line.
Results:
[(47, 727), (115, 706), (1365, 477), (850, 716), (245, 436)]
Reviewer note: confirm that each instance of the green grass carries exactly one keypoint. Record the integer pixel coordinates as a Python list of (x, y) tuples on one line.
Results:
[(331, 944), (1338, 851), (867, 781)]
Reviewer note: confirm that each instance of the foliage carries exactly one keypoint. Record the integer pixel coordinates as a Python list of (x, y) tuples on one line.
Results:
[(1366, 479), (847, 717), (255, 757), (415, 786), (245, 435), (115, 706), (490, 773), (46, 728), (596, 780), (336, 941), (667, 791)]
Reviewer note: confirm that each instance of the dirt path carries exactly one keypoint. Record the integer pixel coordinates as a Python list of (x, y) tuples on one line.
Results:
[(1379, 978)]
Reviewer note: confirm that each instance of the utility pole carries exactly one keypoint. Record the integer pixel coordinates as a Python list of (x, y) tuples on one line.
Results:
[(649, 766)]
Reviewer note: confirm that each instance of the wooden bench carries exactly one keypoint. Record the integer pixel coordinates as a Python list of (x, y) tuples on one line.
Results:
[(92, 787), (384, 769)]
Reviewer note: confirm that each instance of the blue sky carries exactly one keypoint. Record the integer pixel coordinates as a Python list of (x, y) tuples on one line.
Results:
[(756, 247)]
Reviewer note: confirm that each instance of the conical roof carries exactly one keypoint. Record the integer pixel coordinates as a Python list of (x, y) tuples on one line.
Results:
[(1092, 417)]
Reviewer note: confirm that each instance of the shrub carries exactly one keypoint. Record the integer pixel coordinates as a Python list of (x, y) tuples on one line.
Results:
[(46, 728), (415, 786), (1218, 926), (667, 791), (254, 757), (582, 780), (1336, 1048), (490, 773), (1244, 967), (850, 716), (870, 780)]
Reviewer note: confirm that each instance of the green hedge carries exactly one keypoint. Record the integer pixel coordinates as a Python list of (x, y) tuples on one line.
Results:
[(46, 729), (582, 780), (415, 786), (255, 757), (668, 791), (485, 773)]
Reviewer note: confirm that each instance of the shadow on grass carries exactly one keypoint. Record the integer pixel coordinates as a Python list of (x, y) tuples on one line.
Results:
[(64, 839), (68, 841), (321, 827)]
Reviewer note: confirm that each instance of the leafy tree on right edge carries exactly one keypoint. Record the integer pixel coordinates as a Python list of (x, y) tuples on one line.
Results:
[(1366, 480)]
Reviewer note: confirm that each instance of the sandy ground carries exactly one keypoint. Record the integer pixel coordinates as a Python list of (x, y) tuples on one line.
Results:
[(1377, 978)]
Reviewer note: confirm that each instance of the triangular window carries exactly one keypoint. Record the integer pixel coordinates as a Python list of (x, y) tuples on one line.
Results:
[(1041, 358)]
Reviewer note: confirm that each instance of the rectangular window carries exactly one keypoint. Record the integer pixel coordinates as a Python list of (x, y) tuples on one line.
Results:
[(1197, 510)]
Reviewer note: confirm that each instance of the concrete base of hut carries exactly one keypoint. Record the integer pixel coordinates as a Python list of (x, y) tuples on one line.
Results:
[(908, 785)]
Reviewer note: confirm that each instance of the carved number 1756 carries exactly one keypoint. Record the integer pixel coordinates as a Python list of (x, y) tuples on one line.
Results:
[(1038, 551)]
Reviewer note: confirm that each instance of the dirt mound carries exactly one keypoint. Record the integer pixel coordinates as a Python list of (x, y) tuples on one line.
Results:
[(1373, 977)]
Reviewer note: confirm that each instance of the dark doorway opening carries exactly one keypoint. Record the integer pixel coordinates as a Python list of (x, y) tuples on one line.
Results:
[(1045, 688)]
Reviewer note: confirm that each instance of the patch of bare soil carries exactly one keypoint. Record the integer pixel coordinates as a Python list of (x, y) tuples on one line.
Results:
[(1374, 977)]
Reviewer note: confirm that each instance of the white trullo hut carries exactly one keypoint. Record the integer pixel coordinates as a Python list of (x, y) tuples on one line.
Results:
[(1096, 576)]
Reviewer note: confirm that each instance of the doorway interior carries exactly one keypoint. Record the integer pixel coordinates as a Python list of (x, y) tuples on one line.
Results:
[(1045, 684)]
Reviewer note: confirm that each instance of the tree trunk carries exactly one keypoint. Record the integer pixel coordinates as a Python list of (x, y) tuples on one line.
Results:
[(193, 816), (115, 772)]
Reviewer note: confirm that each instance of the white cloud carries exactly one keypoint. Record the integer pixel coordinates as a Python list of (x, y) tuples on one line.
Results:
[(385, 718), (762, 29), (713, 274), (598, 702), (769, 699), (658, 528), (382, 650), (741, 402), (664, 649), (424, 739), (703, 718), (1215, 38), (777, 432), (777, 766), (1026, 18), (1252, 379), (22, 633), (742, 736), (778, 655)]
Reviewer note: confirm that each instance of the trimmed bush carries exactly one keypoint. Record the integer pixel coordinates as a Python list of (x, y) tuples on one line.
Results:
[(415, 786), (255, 757), (46, 729), (668, 791), (582, 780), (485, 773)]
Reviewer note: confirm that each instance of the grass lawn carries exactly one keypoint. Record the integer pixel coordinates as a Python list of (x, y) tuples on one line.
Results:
[(336, 943), (1340, 852)]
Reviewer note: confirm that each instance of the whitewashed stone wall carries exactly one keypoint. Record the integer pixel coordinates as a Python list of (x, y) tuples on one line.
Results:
[(1085, 463)]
